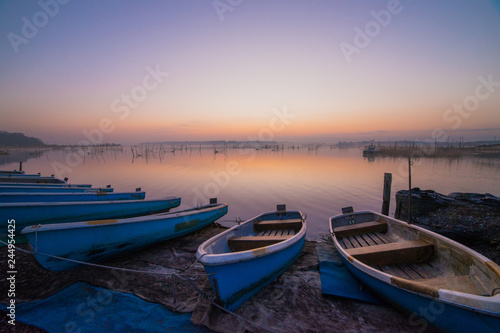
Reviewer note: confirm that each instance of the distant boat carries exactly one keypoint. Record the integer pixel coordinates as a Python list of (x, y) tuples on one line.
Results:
[(420, 271), (26, 214), (95, 241), (244, 259), (53, 189), (370, 150), (68, 197)]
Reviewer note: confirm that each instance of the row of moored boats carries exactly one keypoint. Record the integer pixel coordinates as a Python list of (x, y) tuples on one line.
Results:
[(425, 273)]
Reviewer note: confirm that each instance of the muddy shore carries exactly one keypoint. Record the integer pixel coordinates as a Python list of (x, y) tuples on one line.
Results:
[(293, 303)]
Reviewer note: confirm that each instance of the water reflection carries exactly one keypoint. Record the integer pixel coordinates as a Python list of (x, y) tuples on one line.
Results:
[(319, 180)]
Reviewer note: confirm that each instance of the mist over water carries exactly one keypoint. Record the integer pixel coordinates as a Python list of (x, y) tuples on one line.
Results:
[(318, 182)]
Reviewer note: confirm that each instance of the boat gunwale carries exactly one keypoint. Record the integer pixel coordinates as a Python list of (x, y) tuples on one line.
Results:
[(491, 304), (215, 259), (80, 203), (137, 219)]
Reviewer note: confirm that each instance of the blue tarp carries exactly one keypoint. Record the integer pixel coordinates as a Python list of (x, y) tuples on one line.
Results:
[(335, 277), (85, 308)]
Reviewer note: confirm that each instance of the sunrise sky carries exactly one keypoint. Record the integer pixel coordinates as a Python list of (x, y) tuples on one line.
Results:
[(136, 71)]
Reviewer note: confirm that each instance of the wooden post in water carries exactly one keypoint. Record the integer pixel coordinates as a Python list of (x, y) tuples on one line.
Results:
[(20, 166), (409, 189), (386, 198)]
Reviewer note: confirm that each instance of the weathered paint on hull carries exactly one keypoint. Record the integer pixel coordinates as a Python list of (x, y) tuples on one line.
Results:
[(432, 311), (87, 242), (26, 214), (237, 282), (68, 197)]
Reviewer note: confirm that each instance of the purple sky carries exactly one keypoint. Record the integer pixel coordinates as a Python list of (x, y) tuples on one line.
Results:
[(134, 71)]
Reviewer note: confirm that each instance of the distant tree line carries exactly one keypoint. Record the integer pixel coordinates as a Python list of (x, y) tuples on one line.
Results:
[(18, 140)]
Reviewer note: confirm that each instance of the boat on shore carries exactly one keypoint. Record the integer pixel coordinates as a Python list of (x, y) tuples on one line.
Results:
[(23, 184), (245, 258), (53, 189), (11, 172), (98, 240), (31, 179), (26, 214), (434, 278), (68, 197)]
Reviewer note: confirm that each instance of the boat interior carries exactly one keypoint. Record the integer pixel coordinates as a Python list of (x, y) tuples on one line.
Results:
[(267, 230), (408, 253)]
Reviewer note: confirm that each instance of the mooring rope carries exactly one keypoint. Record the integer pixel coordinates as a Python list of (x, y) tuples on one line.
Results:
[(184, 277)]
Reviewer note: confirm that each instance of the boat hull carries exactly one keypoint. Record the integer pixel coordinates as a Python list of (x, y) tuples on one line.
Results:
[(235, 283), (236, 274), (425, 310), (95, 241), (69, 197), (437, 290), (26, 214)]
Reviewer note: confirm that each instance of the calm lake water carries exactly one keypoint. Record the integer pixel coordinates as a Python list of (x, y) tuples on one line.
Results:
[(319, 182)]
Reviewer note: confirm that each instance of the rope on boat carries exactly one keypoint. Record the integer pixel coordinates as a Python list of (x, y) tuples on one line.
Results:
[(184, 277)]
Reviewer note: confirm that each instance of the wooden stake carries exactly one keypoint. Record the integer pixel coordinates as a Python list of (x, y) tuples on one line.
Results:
[(386, 198)]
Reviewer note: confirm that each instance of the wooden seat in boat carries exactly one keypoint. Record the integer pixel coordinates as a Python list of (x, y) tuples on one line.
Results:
[(394, 253), (360, 228), (295, 224), (252, 242)]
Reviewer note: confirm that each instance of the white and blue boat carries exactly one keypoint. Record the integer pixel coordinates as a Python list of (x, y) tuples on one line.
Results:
[(32, 179), (53, 189), (24, 184), (95, 241), (439, 281), (26, 214), (67, 197), (11, 172), (244, 259)]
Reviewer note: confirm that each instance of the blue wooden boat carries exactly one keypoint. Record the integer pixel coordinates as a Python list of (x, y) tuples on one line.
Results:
[(439, 281), (18, 175), (2, 184), (26, 214), (67, 197), (53, 189), (32, 179), (11, 172), (94, 241), (244, 259)]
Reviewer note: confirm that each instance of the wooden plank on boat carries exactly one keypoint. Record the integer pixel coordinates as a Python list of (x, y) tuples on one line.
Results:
[(295, 224), (360, 228), (461, 283), (345, 243), (427, 271), (361, 241), (375, 238), (354, 241), (394, 253), (252, 242), (384, 237), (368, 239), (410, 272)]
